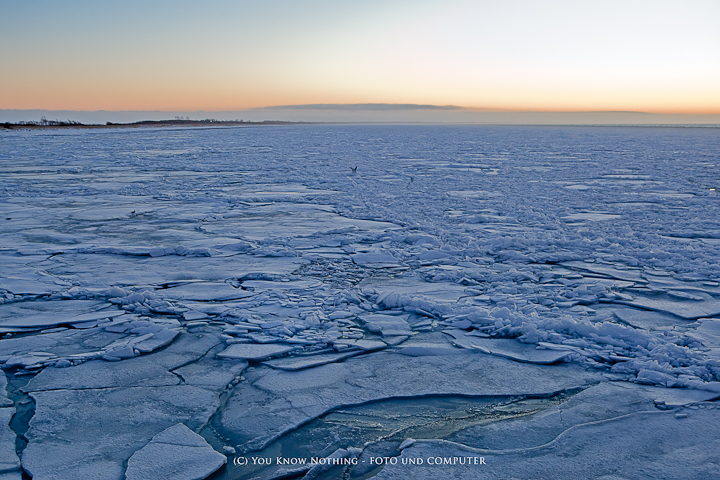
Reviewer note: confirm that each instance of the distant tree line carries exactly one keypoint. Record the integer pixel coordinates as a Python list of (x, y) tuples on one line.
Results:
[(206, 121), (45, 121)]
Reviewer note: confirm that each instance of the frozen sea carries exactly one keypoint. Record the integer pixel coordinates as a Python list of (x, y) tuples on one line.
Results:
[(357, 301)]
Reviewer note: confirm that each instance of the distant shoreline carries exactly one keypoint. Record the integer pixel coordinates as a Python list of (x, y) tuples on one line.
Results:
[(53, 124)]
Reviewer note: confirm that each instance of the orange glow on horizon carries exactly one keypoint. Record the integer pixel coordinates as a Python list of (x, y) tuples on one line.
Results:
[(173, 97)]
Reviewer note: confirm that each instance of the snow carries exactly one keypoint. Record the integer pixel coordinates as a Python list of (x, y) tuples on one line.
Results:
[(244, 283)]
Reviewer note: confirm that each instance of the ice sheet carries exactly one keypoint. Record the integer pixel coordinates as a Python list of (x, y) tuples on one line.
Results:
[(146, 271)]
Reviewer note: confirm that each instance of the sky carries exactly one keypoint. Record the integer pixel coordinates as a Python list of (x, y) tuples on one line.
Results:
[(513, 55)]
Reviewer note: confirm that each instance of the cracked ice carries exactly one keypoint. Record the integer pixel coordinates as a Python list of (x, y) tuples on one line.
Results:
[(211, 292)]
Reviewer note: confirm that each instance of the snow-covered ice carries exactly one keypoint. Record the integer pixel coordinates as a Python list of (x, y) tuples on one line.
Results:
[(242, 291)]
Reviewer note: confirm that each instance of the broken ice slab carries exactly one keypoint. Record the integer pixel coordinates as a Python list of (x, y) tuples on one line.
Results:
[(380, 427), (254, 351), (14, 475), (42, 285), (118, 354), (272, 402), (652, 442), (678, 397), (77, 344), (591, 216), (301, 363), (293, 285), (461, 339), (422, 349), (584, 429), (646, 319), (143, 371), (64, 440), (601, 402), (387, 325), (18, 278), (33, 360), (211, 372), (707, 333), (631, 275), (204, 292), (194, 315), (4, 400), (394, 340), (363, 344), (433, 257), (156, 340), (137, 372), (390, 289), (421, 324), (9, 460), (680, 295), (507, 348), (284, 219), (687, 309), (375, 260), (421, 239), (680, 283), (107, 270), (176, 453), (42, 314)]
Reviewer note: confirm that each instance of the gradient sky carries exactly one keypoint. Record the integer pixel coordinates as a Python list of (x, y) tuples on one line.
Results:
[(640, 55)]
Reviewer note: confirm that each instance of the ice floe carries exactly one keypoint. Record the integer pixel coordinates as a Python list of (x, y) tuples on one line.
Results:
[(9, 461), (271, 402), (73, 432), (176, 453), (250, 351)]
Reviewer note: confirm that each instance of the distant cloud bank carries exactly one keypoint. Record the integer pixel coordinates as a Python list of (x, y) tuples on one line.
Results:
[(362, 106)]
